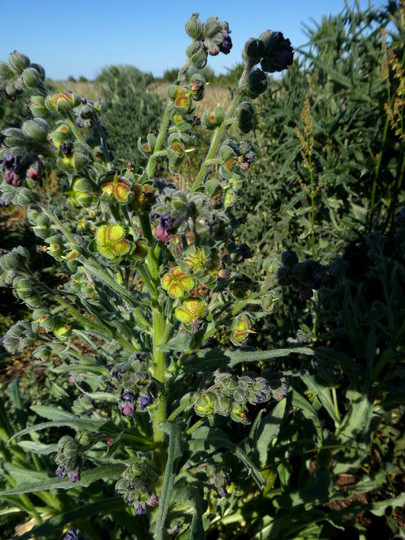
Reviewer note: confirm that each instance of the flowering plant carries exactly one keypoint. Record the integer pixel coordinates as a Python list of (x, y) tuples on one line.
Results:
[(153, 321)]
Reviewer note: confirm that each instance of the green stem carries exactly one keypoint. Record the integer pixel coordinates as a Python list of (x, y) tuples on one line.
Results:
[(159, 373), (195, 426), (220, 130), (151, 166)]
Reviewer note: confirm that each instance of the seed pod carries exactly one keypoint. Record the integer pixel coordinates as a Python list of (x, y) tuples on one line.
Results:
[(14, 137), (110, 240), (213, 119), (62, 102), (18, 62), (36, 129), (31, 78), (194, 27)]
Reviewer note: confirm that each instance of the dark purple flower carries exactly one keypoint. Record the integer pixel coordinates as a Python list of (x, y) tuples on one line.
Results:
[(226, 44), (278, 53), (140, 509), (166, 223), (145, 400), (9, 161)]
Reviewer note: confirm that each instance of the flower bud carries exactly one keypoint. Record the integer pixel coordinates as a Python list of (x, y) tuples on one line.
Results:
[(81, 157), (35, 129), (61, 134), (62, 102), (197, 87), (204, 406), (140, 250), (18, 62), (31, 78), (253, 51), (194, 27), (35, 170), (25, 197), (245, 116), (100, 106), (257, 82), (175, 151)]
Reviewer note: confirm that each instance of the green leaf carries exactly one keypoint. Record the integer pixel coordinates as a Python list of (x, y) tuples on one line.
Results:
[(37, 447), (22, 475), (190, 495), (109, 472), (209, 439), (212, 359), (174, 452), (323, 394), (308, 411), (268, 430), (75, 423), (83, 512), (251, 467), (51, 412)]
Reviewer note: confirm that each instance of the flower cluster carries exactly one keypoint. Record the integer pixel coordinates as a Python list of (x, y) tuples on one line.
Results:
[(133, 384), (302, 276), (230, 395), (68, 459), (211, 37), (136, 486)]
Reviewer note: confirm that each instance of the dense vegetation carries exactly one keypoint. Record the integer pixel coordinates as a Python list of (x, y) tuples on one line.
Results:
[(323, 210)]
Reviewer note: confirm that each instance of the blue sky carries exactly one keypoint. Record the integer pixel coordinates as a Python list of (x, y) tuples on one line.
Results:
[(80, 37)]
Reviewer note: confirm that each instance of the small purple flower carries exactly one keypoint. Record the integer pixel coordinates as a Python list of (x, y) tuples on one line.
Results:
[(144, 401), (128, 409), (140, 509), (61, 472), (222, 493), (35, 171), (72, 534), (153, 500), (3, 202), (9, 161), (74, 476), (166, 223)]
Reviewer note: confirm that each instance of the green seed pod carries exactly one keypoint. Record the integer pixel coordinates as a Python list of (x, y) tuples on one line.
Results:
[(213, 119), (6, 73), (18, 62), (212, 26), (81, 157), (14, 137), (62, 331), (257, 82), (197, 54), (36, 129), (197, 87), (31, 78), (253, 51), (56, 247), (61, 134), (100, 106), (194, 27), (25, 197), (87, 111), (40, 70), (223, 406), (40, 316), (37, 107), (140, 251), (22, 287)]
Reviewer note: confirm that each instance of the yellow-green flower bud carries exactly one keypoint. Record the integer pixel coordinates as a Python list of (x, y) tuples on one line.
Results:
[(62, 102), (177, 283), (62, 331), (115, 188), (110, 240), (241, 328), (192, 309)]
